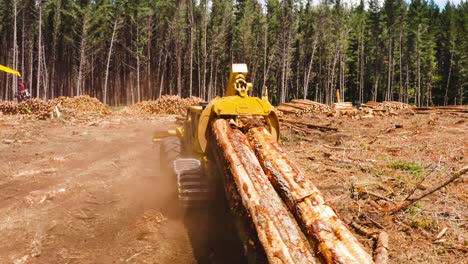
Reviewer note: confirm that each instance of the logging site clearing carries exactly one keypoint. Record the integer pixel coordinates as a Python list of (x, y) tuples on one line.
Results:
[(80, 182)]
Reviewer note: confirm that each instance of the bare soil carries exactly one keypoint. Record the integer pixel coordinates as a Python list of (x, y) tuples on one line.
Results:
[(91, 190)]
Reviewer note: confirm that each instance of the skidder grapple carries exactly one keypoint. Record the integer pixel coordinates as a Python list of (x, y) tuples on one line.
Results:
[(230, 147)]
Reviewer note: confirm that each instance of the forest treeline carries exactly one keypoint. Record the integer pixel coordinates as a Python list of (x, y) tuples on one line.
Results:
[(125, 51)]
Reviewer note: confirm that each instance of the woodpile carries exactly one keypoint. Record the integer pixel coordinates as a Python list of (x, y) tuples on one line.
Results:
[(76, 106), (36, 107), (457, 109), (167, 104), (300, 107), (372, 108), (81, 105)]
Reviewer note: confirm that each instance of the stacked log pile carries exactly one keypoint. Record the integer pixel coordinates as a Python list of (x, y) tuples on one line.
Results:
[(300, 107), (384, 108), (457, 109), (35, 107), (369, 109), (81, 105), (76, 106), (167, 104)]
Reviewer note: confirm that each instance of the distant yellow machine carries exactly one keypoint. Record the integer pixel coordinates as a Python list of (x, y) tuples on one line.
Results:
[(9, 70)]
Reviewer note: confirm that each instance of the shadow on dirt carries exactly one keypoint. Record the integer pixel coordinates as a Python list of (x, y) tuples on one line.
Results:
[(213, 235), (211, 230)]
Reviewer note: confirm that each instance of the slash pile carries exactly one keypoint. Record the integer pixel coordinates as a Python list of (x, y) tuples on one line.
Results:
[(167, 104)]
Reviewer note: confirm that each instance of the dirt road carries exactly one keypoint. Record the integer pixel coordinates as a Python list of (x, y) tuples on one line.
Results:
[(92, 192)]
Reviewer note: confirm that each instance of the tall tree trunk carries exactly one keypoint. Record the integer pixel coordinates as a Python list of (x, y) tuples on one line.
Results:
[(15, 47), (83, 43), (57, 21), (45, 76), (149, 60), (205, 54), (109, 55), (418, 72), (407, 84), (192, 27), (389, 94), (31, 60), (361, 67), (39, 52), (309, 68), (23, 33), (448, 79), (138, 65), (400, 92)]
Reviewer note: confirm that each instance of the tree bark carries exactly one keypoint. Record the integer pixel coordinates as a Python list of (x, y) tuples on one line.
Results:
[(276, 228), (389, 94), (448, 80), (39, 52), (15, 48), (331, 239), (309, 68), (109, 56)]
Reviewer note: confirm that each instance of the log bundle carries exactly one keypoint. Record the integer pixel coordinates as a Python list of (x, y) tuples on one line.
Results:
[(167, 104), (300, 107), (458, 109), (329, 236), (276, 228), (291, 219), (384, 108)]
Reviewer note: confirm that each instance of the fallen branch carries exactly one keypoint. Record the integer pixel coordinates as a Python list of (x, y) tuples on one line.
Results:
[(135, 255), (339, 148), (408, 201), (419, 184), (381, 249), (365, 231)]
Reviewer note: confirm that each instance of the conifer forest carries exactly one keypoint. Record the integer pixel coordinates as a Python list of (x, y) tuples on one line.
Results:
[(127, 51)]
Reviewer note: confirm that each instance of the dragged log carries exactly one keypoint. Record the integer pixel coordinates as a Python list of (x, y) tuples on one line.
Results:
[(331, 239), (277, 230)]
